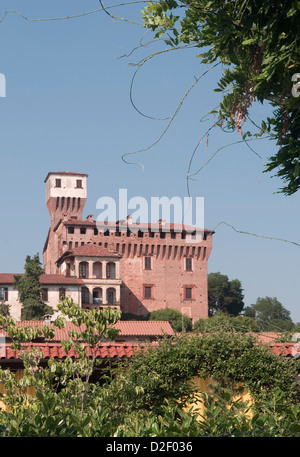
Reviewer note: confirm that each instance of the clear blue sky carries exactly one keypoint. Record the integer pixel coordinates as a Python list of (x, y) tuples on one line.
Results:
[(67, 107)]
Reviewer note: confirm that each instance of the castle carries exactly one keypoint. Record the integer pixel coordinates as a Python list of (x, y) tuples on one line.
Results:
[(135, 267)]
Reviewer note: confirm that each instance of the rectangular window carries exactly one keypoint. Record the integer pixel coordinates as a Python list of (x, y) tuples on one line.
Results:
[(78, 183), (70, 229), (62, 294), (82, 230), (188, 293), (58, 183), (82, 270), (147, 263), (188, 264), (148, 292), (85, 299), (45, 294), (3, 293)]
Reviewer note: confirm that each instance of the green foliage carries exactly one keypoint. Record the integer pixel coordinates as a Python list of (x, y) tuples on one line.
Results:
[(179, 322), (270, 315), (224, 295), (258, 46), (134, 317), (144, 397), (30, 290), (4, 309), (159, 376), (222, 321)]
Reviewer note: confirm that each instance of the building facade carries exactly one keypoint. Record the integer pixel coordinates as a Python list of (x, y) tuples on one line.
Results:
[(136, 267)]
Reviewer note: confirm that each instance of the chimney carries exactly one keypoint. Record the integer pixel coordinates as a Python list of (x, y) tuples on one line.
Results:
[(129, 219), (90, 218), (47, 319)]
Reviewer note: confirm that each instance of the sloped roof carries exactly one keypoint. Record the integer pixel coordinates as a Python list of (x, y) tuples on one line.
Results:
[(91, 250), (154, 226), (112, 350), (127, 328), (55, 350), (8, 278), (144, 328)]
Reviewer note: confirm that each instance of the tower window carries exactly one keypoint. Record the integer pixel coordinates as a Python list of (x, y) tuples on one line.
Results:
[(188, 264), (83, 230), (188, 293), (78, 184), (58, 183), (148, 293), (147, 263), (70, 229)]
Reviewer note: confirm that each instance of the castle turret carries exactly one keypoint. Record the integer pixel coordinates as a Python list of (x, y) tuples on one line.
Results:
[(66, 194)]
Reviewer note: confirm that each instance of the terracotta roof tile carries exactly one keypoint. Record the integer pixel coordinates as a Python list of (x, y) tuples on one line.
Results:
[(127, 328), (91, 250), (155, 226), (144, 328), (8, 278), (59, 279), (55, 350)]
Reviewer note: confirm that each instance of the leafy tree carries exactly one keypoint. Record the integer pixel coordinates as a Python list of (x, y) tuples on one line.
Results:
[(160, 375), (134, 317), (222, 321), (30, 290), (270, 315), (4, 309), (145, 396), (257, 44), (224, 295), (179, 321)]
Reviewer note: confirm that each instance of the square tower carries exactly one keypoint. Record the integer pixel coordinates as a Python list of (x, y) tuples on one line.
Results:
[(66, 194)]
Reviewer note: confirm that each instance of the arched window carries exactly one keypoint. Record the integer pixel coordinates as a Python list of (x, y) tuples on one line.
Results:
[(97, 296), (111, 270), (83, 270), (111, 296), (97, 270)]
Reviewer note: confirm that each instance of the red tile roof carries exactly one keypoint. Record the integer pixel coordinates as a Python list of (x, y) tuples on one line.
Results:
[(91, 250), (106, 225), (127, 328), (144, 328), (110, 350), (285, 349), (55, 350), (8, 278)]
